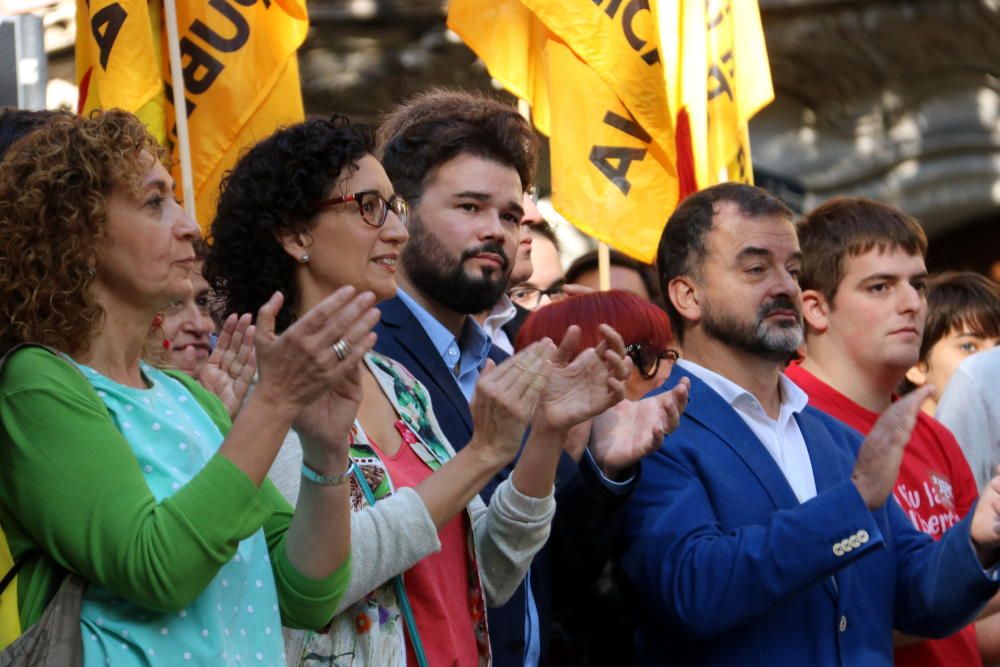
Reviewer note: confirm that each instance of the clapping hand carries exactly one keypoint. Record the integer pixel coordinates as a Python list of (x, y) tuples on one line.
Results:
[(505, 400), (985, 527), (313, 367), (229, 371), (623, 435), (584, 385)]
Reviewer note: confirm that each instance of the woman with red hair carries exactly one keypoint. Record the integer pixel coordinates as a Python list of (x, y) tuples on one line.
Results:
[(645, 328)]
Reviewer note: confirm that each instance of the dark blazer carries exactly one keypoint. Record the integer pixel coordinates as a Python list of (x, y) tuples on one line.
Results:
[(728, 568), (587, 518)]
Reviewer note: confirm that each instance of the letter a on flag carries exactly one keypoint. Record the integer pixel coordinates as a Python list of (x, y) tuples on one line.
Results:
[(240, 75), (621, 103)]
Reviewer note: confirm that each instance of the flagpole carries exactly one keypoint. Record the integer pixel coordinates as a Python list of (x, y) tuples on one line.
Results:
[(603, 266), (180, 106)]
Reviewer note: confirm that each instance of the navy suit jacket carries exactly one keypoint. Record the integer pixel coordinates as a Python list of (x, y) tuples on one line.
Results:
[(587, 518), (730, 569)]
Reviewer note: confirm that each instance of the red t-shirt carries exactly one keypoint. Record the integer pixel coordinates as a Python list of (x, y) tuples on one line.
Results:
[(935, 488), (438, 585)]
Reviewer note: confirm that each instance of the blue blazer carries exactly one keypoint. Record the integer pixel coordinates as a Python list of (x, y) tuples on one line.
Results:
[(588, 515), (730, 569)]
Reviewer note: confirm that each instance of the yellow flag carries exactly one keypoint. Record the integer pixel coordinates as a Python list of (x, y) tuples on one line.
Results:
[(717, 74), (592, 75), (118, 63), (10, 626), (606, 177), (241, 77), (643, 101)]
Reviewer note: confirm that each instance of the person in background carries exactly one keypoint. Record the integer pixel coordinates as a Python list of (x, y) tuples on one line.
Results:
[(546, 282), (308, 211), (765, 534), (187, 325), (625, 274), (132, 478), (963, 319), (16, 123), (644, 328), (502, 322), (596, 627), (864, 300)]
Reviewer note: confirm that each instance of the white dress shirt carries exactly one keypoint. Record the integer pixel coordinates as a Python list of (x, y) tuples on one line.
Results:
[(781, 437), (502, 313)]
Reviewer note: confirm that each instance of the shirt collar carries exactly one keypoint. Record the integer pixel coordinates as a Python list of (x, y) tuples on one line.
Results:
[(474, 340), (793, 399), (502, 313)]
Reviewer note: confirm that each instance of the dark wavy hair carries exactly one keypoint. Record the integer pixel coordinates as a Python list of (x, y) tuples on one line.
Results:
[(54, 184), (437, 126), (269, 193)]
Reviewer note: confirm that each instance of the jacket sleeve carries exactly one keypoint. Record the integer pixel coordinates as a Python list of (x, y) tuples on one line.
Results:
[(71, 481), (706, 582), (508, 533), (940, 586)]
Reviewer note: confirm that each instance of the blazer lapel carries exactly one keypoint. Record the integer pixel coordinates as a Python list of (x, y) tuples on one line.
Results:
[(712, 411), (409, 335)]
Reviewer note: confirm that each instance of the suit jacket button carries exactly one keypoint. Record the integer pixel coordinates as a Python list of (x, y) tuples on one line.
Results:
[(843, 623), (845, 545), (838, 549), (862, 536), (854, 541)]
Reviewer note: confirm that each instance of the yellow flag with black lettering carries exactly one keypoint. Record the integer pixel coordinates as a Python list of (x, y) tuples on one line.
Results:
[(718, 77), (118, 59), (241, 76), (616, 85), (241, 82)]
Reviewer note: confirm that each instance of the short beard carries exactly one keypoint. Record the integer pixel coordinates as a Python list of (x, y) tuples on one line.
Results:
[(442, 279), (774, 343)]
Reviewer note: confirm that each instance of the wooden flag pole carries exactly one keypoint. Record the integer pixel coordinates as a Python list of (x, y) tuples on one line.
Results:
[(180, 107), (603, 266)]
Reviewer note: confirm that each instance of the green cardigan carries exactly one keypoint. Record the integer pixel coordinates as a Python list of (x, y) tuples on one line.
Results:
[(72, 494)]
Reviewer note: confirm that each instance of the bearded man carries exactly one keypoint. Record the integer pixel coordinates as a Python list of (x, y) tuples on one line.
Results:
[(764, 532)]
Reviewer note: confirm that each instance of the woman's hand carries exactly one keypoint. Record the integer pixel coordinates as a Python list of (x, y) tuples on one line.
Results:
[(229, 370), (505, 400), (584, 385), (620, 437), (300, 365)]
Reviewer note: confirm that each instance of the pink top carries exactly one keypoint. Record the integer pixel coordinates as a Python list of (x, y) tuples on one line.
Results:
[(438, 586)]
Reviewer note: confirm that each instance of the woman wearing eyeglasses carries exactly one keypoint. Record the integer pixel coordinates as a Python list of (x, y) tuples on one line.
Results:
[(594, 626), (644, 327), (309, 211)]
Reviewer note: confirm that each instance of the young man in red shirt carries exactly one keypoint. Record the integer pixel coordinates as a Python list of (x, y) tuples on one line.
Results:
[(864, 303)]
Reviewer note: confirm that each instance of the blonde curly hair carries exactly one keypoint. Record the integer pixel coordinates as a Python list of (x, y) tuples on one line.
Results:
[(54, 184)]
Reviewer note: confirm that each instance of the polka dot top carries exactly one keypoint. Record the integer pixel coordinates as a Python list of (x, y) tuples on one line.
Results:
[(235, 620)]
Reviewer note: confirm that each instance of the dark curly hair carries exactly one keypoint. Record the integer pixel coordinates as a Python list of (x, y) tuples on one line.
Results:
[(439, 125), (53, 189), (271, 192)]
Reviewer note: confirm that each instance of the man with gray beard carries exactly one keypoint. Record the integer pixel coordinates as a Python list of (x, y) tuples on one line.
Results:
[(761, 534)]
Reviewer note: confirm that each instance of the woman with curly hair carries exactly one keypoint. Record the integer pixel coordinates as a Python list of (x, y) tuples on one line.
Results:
[(308, 211), (134, 479)]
